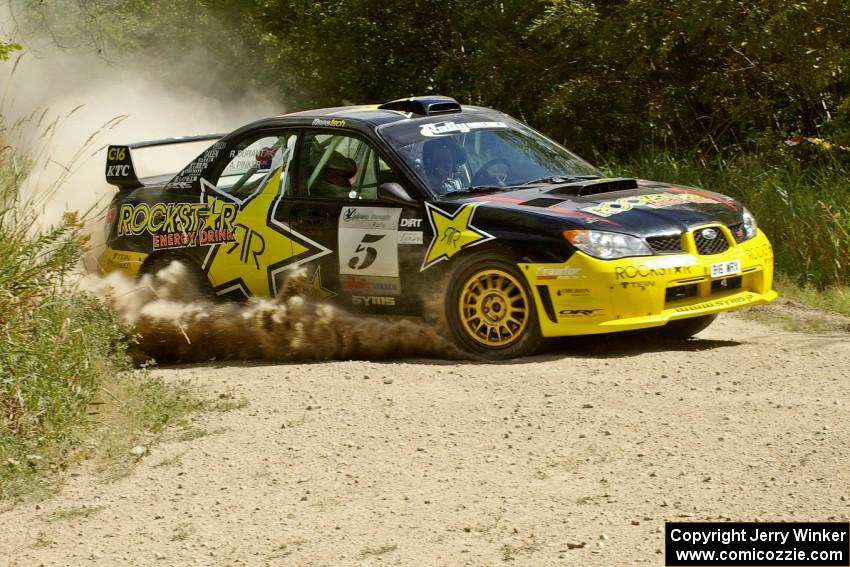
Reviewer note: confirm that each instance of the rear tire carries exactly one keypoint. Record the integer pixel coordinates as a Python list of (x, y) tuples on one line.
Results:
[(489, 309), (686, 328)]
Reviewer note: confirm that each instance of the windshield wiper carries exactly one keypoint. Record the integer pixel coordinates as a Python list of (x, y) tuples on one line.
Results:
[(559, 179)]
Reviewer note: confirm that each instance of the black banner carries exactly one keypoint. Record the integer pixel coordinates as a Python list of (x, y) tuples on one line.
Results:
[(809, 544)]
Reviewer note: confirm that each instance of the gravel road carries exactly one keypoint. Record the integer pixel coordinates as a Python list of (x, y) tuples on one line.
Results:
[(574, 457)]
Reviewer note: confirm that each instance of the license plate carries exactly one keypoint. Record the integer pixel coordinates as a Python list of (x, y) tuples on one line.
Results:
[(721, 269)]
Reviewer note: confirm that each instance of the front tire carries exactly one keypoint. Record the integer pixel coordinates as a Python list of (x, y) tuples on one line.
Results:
[(489, 309)]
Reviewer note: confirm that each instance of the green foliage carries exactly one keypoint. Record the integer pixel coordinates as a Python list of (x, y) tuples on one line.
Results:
[(62, 354), (690, 76), (54, 345), (6, 49)]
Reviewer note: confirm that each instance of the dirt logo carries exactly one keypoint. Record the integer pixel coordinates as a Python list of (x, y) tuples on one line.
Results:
[(453, 232)]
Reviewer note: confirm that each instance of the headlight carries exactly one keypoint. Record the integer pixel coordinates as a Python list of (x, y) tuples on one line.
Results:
[(750, 227), (607, 245)]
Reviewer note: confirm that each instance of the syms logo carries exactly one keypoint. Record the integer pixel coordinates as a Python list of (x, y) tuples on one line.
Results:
[(368, 300)]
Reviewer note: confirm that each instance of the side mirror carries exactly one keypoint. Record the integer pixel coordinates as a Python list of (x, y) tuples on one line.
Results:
[(394, 193)]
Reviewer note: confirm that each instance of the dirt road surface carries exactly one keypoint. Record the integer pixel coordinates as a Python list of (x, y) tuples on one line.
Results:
[(574, 457)]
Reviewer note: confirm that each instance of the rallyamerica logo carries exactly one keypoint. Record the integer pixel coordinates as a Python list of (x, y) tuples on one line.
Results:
[(446, 128)]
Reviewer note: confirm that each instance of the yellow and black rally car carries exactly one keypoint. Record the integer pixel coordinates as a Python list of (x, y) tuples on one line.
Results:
[(390, 204)]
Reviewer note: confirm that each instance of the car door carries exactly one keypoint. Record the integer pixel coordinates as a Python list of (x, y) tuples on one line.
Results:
[(372, 242), (252, 179)]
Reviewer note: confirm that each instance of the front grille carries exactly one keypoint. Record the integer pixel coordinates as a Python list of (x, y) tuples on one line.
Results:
[(706, 245), (666, 244)]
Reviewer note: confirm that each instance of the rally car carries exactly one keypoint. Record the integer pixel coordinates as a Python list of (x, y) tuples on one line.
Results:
[(388, 206)]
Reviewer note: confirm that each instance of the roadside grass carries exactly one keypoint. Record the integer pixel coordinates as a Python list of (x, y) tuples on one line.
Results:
[(804, 309), (802, 203), (285, 549), (182, 532), (789, 321), (379, 550), (128, 413), (67, 391), (74, 513), (835, 299), (511, 552), (132, 413)]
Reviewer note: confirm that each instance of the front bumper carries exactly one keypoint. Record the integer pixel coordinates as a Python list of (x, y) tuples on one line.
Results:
[(586, 295)]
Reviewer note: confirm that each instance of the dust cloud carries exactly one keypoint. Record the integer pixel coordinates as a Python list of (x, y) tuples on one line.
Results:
[(174, 325), (60, 110)]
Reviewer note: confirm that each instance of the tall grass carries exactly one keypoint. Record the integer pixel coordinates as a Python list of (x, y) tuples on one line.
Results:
[(56, 344), (802, 205), (65, 394)]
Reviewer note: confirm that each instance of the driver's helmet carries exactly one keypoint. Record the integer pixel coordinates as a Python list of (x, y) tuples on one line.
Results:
[(431, 148), (339, 170)]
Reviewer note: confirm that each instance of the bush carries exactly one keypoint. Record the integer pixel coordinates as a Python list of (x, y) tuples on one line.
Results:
[(57, 344)]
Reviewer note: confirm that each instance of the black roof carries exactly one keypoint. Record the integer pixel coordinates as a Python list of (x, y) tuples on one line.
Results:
[(394, 111)]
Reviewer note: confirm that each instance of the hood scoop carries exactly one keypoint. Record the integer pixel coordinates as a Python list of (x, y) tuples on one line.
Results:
[(587, 187), (542, 202)]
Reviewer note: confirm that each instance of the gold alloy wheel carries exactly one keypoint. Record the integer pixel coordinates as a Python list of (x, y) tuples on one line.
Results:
[(494, 308)]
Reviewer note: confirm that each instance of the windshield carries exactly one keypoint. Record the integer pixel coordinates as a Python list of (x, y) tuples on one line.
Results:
[(478, 152)]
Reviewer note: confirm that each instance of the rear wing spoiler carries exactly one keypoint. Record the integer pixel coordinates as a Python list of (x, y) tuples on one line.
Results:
[(119, 163)]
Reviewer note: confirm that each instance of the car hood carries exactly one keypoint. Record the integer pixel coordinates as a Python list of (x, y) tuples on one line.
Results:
[(636, 207)]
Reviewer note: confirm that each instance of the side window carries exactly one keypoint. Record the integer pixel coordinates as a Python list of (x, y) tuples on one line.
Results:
[(253, 161), (341, 166)]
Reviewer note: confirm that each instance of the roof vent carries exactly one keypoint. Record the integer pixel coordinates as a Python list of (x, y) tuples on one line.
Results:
[(424, 105)]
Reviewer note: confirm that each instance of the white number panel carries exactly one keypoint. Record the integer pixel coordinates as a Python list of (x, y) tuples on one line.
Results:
[(368, 241)]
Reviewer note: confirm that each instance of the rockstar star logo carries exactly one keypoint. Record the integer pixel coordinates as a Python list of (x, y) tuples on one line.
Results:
[(452, 233), (315, 288), (215, 212), (262, 246)]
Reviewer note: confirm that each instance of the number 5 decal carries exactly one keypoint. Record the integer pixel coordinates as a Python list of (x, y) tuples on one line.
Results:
[(357, 262), (367, 241)]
